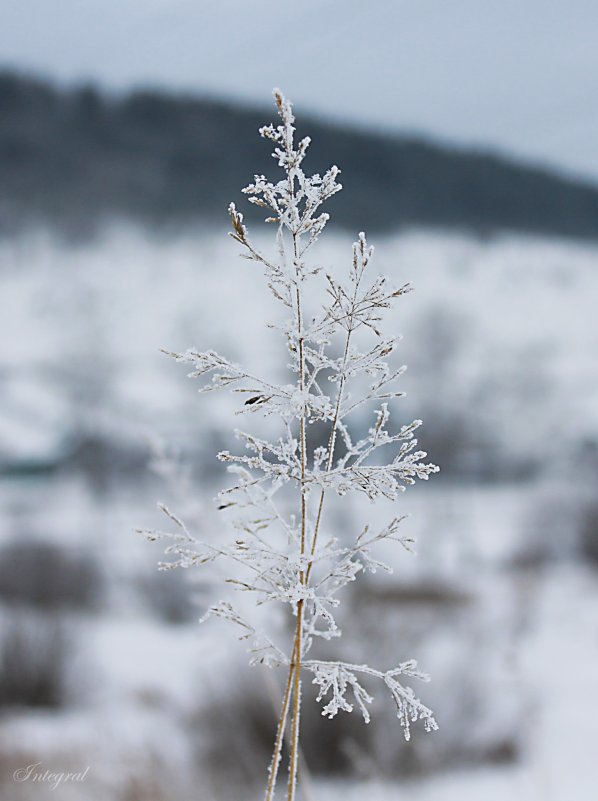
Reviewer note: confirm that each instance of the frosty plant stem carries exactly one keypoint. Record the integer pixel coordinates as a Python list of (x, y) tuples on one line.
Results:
[(334, 336), (296, 656), (295, 665)]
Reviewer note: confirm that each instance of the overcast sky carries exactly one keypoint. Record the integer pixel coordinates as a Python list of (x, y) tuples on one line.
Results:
[(520, 76)]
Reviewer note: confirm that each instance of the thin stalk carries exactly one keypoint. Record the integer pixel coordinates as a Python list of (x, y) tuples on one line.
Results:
[(293, 678), (296, 662), (331, 446), (293, 683), (306, 785), (332, 438), (275, 763), (294, 733)]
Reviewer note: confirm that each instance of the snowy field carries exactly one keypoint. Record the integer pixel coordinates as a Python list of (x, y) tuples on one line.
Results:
[(104, 654)]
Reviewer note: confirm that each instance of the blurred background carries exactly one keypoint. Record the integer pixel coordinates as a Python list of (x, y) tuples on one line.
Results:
[(467, 136)]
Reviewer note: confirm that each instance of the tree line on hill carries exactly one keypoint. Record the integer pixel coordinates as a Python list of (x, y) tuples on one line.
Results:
[(74, 158)]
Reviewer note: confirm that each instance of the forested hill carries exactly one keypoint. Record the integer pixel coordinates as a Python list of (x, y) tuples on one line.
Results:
[(73, 158)]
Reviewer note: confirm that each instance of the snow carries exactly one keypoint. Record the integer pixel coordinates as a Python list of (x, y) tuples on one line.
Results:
[(524, 308), (560, 660)]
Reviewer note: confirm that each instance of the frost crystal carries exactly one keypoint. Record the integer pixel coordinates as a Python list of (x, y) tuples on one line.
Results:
[(280, 551)]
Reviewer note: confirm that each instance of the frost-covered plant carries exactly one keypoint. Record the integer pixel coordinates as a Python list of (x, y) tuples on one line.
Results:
[(282, 553)]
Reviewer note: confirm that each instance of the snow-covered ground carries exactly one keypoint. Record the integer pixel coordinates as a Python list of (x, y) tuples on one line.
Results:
[(508, 324), (502, 342)]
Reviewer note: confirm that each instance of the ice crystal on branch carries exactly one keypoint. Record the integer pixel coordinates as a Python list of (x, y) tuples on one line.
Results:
[(281, 551)]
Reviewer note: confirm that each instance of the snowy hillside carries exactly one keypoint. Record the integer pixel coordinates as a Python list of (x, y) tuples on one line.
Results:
[(501, 340)]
